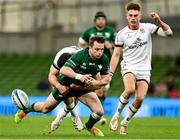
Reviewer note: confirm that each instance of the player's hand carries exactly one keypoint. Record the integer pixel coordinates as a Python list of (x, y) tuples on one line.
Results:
[(62, 89), (93, 83), (110, 78), (155, 17), (87, 78)]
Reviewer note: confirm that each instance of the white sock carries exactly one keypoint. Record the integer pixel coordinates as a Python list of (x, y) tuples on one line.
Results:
[(131, 112), (73, 113), (61, 114), (122, 103)]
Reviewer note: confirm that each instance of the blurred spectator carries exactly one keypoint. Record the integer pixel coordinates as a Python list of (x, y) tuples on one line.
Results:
[(160, 89), (43, 85), (171, 87)]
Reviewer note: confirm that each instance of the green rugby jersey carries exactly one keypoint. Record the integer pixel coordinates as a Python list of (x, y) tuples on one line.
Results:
[(82, 63), (108, 32)]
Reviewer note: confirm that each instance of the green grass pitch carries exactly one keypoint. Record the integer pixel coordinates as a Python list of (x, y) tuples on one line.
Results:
[(33, 127)]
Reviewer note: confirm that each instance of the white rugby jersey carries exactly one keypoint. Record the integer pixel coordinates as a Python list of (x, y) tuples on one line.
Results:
[(70, 50), (137, 46)]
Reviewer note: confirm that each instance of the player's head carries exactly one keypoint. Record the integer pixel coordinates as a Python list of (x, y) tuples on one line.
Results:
[(96, 46), (63, 58), (100, 19), (133, 15)]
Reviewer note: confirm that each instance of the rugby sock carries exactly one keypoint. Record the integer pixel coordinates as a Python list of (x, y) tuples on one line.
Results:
[(73, 113), (131, 112), (122, 103), (60, 116), (30, 109), (93, 118)]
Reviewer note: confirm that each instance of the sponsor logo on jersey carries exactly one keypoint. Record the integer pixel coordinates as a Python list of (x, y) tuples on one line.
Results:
[(99, 67), (142, 30), (83, 66), (91, 64), (98, 33), (92, 35), (137, 43), (107, 35), (129, 35)]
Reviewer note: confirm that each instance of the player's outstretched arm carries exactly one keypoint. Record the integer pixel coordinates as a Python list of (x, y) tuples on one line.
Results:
[(69, 72), (164, 29), (104, 80)]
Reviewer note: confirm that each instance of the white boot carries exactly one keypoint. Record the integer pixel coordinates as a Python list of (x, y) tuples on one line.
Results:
[(56, 123), (113, 125)]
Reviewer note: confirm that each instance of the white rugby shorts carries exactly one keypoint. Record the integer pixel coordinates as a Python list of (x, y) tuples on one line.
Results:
[(138, 74)]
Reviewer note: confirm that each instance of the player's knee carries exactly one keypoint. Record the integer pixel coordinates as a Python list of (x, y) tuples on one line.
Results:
[(45, 110), (139, 98), (129, 90)]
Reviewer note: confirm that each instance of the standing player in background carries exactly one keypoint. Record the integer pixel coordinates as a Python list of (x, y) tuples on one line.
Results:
[(109, 33), (134, 41)]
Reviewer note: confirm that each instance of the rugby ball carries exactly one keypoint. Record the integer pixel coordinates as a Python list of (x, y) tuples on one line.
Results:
[(20, 99)]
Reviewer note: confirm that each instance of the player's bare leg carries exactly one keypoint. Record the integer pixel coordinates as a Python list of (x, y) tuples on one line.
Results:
[(113, 125), (141, 91), (101, 93), (92, 101), (129, 84), (43, 107)]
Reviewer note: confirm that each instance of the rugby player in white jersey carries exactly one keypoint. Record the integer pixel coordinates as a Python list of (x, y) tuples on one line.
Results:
[(134, 41), (61, 57)]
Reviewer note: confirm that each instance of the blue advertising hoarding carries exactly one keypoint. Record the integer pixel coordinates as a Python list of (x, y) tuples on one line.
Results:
[(151, 107)]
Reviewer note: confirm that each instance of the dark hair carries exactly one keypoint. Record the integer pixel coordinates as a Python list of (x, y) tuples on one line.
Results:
[(133, 6), (99, 39), (99, 14)]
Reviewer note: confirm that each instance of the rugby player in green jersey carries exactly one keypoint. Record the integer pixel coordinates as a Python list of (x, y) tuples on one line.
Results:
[(79, 74), (100, 28)]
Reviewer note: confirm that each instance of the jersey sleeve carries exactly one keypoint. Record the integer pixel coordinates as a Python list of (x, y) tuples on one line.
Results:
[(119, 39), (105, 68), (152, 28), (56, 59), (75, 60)]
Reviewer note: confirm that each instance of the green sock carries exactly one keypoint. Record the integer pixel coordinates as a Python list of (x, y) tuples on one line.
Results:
[(30, 109), (92, 120)]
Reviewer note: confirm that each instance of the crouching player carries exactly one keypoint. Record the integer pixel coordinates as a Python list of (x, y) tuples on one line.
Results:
[(61, 57), (81, 69)]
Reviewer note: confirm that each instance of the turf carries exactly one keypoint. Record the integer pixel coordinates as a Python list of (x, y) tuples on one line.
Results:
[(33, 127)]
